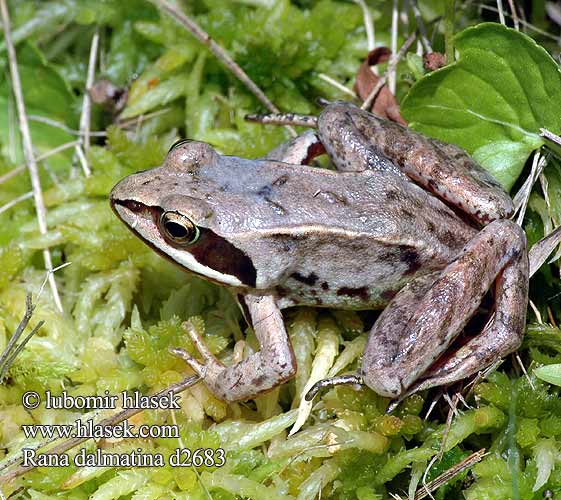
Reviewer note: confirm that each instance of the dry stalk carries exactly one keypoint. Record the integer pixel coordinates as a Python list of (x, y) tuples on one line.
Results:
[(28, 146), (218, 51)]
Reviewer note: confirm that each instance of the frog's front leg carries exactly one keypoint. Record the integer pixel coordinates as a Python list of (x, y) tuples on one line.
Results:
[(260, 372), (424, 318)]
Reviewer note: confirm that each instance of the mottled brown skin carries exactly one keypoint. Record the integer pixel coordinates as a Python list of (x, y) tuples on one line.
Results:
[(387, 230)]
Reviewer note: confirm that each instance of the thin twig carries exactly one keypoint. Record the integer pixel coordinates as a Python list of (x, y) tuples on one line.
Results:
[(107, 422), (368, 25), (453, 411), (85, 117), (524, 23), (218, 51), (83, 160), (62, 126), (27, 145), (15, 201), (523, 368), (541, 250), (134, 121), (501, 12), (337, 85), (536, 312), (537, 165), (392, 64), (391, 70), (21, 168), (449, 474), (514, 15), (9, 361), (420, 26), (29, 308)]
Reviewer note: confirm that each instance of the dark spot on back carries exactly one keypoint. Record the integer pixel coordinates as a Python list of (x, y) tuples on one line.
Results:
[(325, 286), (361, 292), (265, 191), (392, 195), (389, 294), (411, 257), (311, 279)]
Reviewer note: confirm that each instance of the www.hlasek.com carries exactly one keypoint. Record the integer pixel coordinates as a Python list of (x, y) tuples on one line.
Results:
[(86, 429)]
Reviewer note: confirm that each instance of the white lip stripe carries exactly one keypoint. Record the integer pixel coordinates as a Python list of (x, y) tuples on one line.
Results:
[(147, 229)]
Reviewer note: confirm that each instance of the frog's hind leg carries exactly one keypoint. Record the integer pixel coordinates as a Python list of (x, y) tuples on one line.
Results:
[(423, 319), (258, 373)]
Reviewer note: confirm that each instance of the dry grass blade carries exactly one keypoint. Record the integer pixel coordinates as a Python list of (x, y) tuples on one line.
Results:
[(420, 25), (523, 196), (368, 25), (501, 12), (15, 201), (524, 23), (543, 248), (392, 64), (514, 15), (62, 126), (218, 51), (449, 474), (28, 146), (337, 85), (29, 307), (21, 168), (18, 348), (394, 34), (82, 150), (109, 421)]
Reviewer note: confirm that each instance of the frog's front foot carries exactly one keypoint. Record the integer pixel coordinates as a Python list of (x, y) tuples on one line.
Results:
[(258, 373)]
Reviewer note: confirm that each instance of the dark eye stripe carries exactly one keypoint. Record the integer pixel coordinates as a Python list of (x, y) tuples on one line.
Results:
[(215, 252)]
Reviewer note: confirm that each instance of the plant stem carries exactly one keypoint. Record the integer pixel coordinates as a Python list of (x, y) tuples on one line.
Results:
[(449, 30)]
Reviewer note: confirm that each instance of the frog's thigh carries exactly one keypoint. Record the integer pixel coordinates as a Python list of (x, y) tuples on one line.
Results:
[(423, 319), (298, 151), (263, 370)]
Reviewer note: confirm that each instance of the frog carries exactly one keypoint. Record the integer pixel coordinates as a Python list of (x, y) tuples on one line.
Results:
[(402, 223)]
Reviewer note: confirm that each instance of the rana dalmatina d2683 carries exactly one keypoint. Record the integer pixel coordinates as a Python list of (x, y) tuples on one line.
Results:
[(406, 224)]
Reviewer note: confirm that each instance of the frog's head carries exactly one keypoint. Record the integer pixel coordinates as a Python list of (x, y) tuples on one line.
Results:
[(167, 208)]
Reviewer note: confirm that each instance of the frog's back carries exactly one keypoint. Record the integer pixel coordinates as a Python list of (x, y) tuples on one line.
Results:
[(338, 239)]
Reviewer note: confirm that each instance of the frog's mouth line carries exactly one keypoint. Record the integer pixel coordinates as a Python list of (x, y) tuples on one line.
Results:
[(227, 265)]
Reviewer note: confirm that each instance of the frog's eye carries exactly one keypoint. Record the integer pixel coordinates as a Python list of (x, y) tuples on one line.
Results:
[(178, 143), (179, 229)]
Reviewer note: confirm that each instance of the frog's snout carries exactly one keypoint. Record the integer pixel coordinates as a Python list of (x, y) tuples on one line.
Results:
[(189, 156)]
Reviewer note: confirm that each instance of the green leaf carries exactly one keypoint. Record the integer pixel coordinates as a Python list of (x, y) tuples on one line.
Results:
[(492, 101), (549, 373)]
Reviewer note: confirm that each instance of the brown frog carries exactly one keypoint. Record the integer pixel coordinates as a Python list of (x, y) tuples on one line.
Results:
[(406, 224)]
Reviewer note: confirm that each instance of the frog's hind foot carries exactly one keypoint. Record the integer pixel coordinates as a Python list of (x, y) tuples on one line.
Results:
[(332, 382)]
